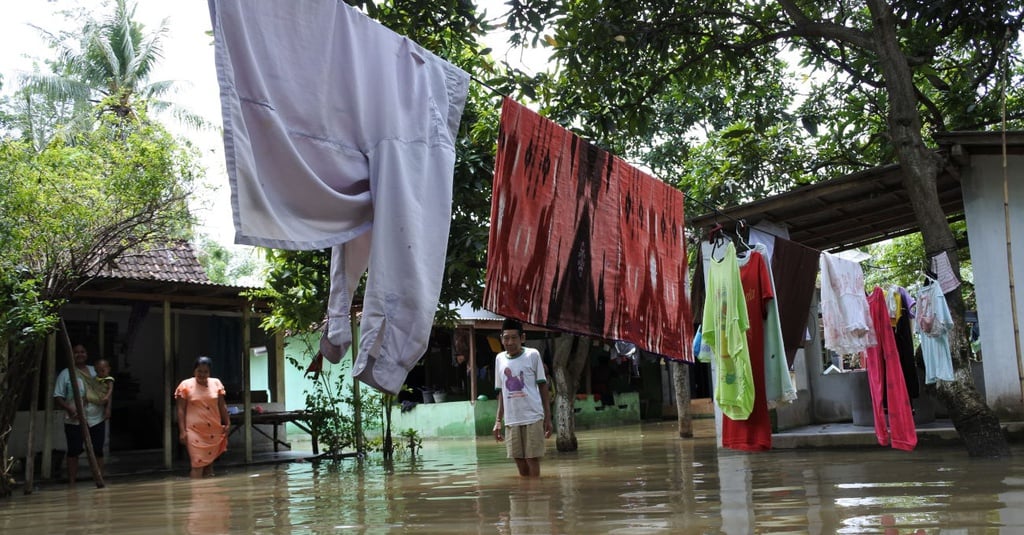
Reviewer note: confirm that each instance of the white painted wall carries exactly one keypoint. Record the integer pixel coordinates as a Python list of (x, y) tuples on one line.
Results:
[(982, 183)]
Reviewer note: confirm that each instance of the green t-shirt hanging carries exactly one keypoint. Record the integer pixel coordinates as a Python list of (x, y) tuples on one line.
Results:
[(724, 330)]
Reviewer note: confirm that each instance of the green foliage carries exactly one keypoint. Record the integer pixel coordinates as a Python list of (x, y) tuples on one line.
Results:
[(412, 441), (900, 261), (649, 79), (71, 208), (221, 265), (24, 317), (101, 69), (330, 401), (334, 427), (296, 290)]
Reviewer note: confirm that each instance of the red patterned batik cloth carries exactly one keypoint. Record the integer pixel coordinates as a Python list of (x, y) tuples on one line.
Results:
[(580, 241)]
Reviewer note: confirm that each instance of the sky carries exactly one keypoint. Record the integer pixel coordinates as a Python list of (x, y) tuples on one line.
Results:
[(187, 59)]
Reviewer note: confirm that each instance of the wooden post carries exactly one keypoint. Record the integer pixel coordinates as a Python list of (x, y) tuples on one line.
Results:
[(246, 390), (473, 390), (101, 340), (280, 371), (30, 447), (681, 385), (46, 469), (97, 475), (357, 401), (169, 404)]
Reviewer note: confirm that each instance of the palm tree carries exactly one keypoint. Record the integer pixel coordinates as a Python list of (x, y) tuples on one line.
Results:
[(108, 72)]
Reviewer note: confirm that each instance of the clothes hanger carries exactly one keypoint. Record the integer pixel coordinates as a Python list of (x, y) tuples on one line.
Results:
[(929, 275), (717, 238), (740, 226)]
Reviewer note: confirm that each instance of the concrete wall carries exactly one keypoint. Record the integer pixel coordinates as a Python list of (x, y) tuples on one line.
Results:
[(462, 419), (18, 440), (452, 419), (301, 349), (592, 414), (982, 184), (836, 397)]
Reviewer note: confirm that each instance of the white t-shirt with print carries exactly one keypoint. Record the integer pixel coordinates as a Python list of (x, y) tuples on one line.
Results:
[(516, 379), (62, 388)]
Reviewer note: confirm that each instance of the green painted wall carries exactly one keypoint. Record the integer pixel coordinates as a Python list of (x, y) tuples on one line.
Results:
[(592, 414), (461, 419)]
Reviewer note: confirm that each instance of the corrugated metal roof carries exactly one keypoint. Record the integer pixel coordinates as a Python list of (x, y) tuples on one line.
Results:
[(468, 313), (865, 207)]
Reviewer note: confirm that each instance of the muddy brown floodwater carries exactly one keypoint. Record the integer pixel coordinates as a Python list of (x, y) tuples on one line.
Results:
[(635, 479)]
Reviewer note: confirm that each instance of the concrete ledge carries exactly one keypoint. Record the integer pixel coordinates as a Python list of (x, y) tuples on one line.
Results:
[(845, 435)]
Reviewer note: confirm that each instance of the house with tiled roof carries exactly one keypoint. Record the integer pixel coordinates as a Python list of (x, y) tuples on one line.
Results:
[(151, 313)]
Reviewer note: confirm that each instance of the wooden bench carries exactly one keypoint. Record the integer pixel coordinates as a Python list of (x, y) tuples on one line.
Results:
[(301, 419)]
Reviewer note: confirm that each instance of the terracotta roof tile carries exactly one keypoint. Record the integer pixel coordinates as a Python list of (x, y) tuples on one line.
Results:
[(172, 262)]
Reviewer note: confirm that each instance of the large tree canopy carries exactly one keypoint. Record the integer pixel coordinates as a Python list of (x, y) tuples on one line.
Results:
[(656, 79)]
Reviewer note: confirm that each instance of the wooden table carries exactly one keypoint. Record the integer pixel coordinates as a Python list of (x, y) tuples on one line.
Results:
[(301, 419)]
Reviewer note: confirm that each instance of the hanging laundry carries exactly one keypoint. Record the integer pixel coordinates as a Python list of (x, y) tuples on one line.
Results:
[(582, 242), (934, 323), (795, 271), (778, 383), (758, 236), (697, 294), (724, 332), (885, 379), (903, 332), (894, 304), (322, 106), (943, 270), (754, 433), (844, 308)]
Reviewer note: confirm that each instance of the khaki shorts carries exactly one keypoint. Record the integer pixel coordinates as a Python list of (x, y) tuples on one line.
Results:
[(525, 441)]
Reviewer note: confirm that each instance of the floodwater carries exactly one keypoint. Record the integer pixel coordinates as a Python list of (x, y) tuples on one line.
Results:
[(636, 479)]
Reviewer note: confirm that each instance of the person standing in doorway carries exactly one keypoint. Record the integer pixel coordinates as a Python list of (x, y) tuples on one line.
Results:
[(93, 415), (203, 418), (523, 402)]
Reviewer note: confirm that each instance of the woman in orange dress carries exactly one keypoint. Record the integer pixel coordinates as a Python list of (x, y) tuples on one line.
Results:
[(203, 419)]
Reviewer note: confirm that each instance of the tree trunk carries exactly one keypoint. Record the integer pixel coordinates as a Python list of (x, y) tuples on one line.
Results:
[(681, 384), (975, 422), (30, 447), (571, 353)]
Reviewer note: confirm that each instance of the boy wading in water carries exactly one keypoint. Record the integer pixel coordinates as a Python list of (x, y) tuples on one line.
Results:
[(523, 404)]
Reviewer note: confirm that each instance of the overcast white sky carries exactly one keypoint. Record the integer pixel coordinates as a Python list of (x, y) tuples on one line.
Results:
[(187, 59)]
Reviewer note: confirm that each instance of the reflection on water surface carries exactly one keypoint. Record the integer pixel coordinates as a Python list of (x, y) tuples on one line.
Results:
[(639, 479)]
